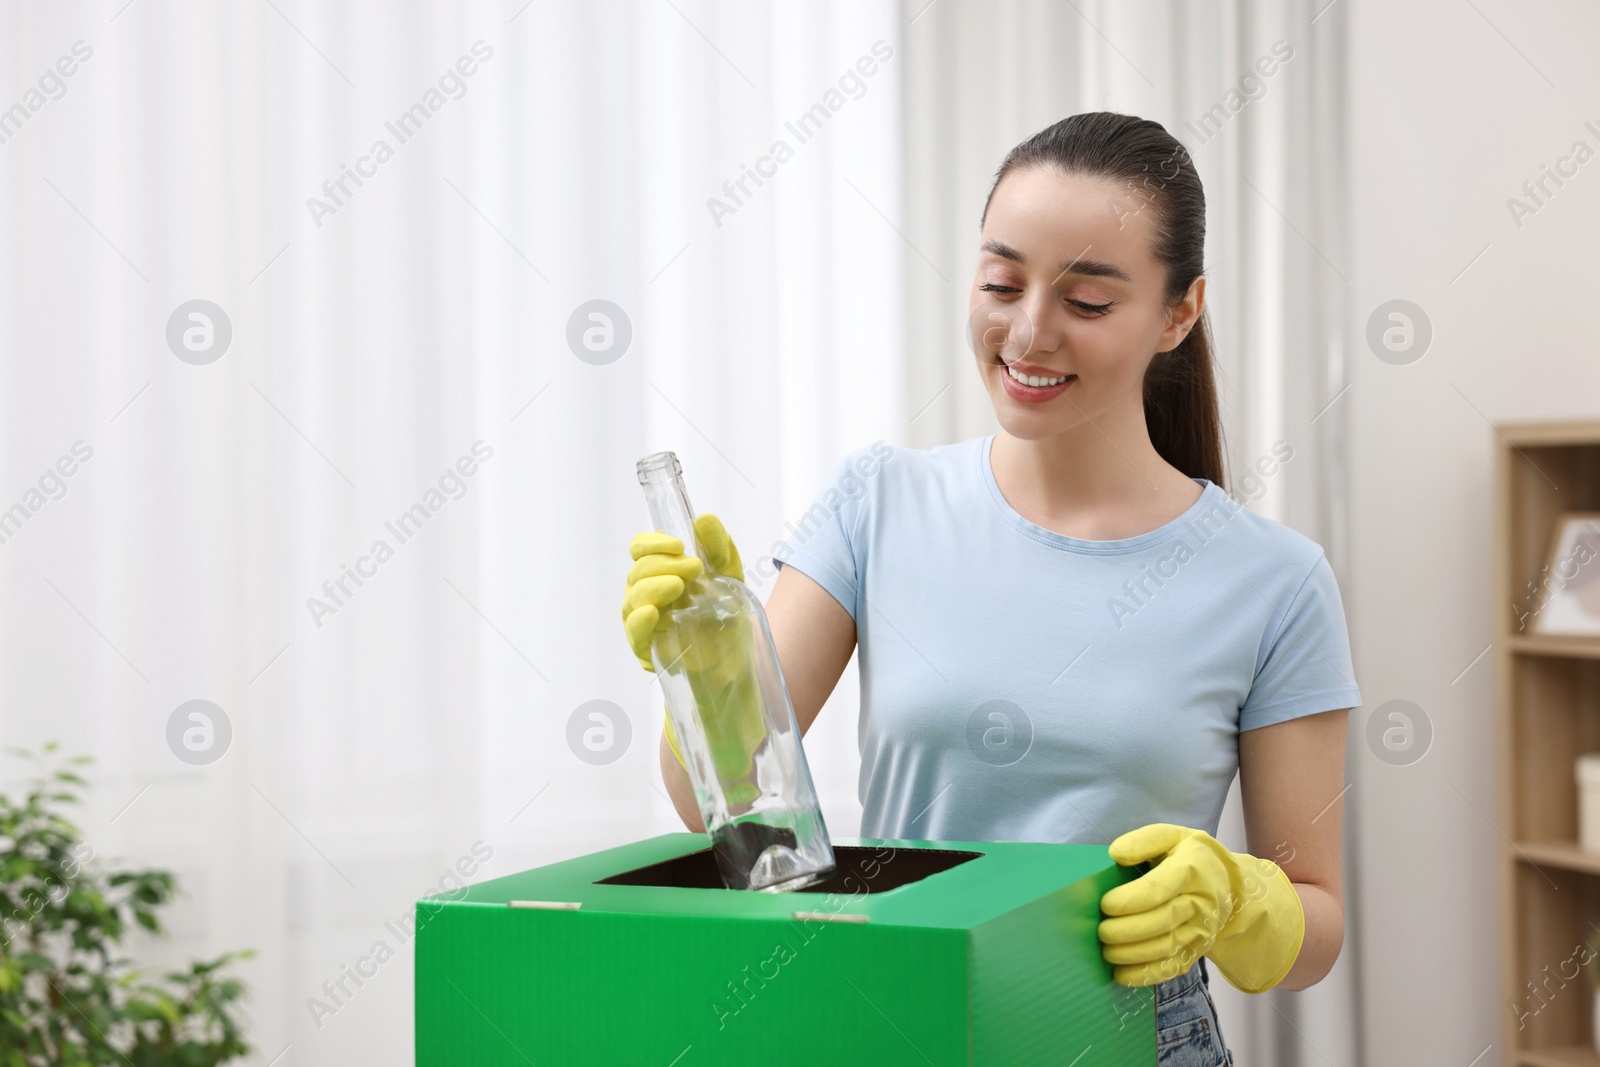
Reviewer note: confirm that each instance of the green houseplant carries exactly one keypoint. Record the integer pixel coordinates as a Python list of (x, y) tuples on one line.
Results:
[(68, 997)]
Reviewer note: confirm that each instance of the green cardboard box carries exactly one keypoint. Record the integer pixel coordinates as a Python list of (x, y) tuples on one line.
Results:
[(913, 952)]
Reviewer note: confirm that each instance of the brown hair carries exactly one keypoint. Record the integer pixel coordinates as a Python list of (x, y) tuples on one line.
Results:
[(1180, 393)]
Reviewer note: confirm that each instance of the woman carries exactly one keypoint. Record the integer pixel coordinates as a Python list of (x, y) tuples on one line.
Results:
[(1068, 630)]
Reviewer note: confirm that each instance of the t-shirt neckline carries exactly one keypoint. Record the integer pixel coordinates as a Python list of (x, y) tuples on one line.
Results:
[(1208, 491)]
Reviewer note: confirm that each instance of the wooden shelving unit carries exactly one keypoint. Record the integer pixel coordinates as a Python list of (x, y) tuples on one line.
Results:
[(1548, 704)]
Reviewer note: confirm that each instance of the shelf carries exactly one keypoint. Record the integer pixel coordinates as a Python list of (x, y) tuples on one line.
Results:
[(1550, 434), (1550, 645), (1563, 854), (1547, 699), (1571, 1056)]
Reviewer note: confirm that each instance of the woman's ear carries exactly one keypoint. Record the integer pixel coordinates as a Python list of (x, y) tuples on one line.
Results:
[(1182, 316)]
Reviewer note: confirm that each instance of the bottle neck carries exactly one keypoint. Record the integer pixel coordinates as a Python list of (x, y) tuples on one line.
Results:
[(671, 513)]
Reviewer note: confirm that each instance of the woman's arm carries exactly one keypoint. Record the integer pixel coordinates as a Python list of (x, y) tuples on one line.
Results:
[(1291, 778), (815, 637)]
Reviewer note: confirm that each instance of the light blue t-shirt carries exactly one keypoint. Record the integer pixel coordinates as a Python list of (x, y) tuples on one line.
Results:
[(1021, 685)]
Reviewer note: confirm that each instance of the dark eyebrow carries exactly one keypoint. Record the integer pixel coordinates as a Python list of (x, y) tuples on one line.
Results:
[(1094, 267)]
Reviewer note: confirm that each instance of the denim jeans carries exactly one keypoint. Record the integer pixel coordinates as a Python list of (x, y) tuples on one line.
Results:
[(1187, 1034)]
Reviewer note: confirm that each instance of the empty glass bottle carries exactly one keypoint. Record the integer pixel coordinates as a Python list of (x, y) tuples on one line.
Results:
[(736, 728)]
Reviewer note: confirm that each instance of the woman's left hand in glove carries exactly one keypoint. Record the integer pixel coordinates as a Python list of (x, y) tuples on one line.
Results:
[(1199, 899)]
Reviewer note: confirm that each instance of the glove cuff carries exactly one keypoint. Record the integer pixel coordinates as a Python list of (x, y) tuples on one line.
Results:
[(1259, 945)]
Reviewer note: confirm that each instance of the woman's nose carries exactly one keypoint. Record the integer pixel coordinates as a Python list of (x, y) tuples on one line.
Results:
[(1044, 320)]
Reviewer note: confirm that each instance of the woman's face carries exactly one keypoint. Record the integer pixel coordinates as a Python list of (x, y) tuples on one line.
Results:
[(1067, 286)]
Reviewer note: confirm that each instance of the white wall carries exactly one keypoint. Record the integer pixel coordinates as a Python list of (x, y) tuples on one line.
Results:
[(1453, 106)]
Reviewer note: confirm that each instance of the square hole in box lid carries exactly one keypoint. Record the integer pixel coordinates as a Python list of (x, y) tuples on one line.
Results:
[(864, 867)]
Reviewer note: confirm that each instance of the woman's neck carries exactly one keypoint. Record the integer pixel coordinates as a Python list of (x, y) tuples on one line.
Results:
[(1100, 481)]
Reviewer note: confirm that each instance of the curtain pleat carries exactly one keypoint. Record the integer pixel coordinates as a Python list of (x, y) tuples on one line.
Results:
[(405, 716)]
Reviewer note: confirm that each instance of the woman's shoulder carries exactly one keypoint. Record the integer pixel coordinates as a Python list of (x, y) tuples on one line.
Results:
[(1252, 533)]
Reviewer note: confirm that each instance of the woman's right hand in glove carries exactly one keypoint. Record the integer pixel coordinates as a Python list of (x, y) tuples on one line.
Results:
[(661, 572)]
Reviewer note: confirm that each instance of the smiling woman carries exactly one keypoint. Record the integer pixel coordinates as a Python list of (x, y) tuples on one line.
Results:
[(1087, 314), (1078, 286)]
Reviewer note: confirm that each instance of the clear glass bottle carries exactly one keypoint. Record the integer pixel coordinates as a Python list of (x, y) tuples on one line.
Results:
[(732, 716)]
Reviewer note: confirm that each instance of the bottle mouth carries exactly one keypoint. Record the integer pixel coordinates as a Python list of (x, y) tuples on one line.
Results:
[(659, 466)]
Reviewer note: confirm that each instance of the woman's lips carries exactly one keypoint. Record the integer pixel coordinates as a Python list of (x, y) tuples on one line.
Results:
[(1029, 394)]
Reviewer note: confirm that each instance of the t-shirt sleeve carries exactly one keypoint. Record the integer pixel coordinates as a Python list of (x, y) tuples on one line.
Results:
[(824, 543), (1306, 666)]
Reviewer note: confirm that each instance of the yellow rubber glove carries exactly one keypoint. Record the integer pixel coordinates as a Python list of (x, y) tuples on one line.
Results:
[(659, 576), (1199, 899)]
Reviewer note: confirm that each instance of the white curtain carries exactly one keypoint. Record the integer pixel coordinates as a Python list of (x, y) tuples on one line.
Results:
[(387, 336), (1264, 131)]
